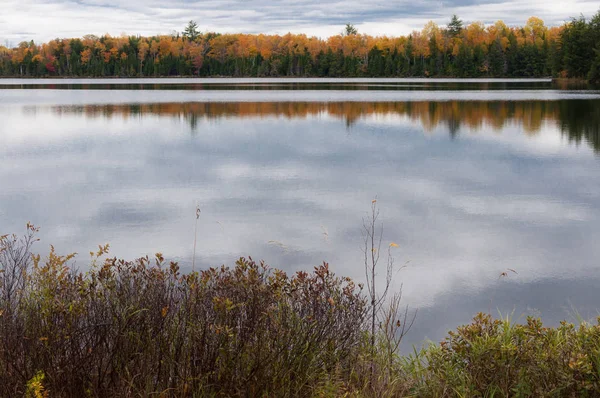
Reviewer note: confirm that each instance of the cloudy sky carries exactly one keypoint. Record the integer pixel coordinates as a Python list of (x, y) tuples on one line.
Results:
[(47, 19)]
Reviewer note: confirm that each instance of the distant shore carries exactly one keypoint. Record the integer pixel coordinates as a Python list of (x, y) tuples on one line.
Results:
[(570, 80), (287, 79), (428, 78)]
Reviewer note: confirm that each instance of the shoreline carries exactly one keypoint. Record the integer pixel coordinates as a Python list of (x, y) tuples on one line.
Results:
[(260, 80), (285, 77)]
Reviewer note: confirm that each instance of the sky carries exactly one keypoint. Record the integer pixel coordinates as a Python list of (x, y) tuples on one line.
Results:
[(42, 20)]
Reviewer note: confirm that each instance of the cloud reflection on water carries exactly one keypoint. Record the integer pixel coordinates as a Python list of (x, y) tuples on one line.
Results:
[(496, 189)]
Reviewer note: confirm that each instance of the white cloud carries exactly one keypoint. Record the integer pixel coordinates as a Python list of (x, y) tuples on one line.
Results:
[(42, 20)]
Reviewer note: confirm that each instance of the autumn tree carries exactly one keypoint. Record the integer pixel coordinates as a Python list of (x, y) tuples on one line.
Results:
[(475, 50), (143, 49)]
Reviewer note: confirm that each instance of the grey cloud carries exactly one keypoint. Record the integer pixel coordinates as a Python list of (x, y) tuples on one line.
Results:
[(66, 17)]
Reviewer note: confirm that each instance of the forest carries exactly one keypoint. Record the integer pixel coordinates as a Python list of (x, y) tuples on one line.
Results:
[(455, 50)]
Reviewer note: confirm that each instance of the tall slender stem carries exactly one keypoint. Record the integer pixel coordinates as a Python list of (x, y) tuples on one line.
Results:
[(195, 237)]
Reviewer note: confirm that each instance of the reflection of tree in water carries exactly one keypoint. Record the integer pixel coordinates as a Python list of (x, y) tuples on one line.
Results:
[(193, 120), (453, 127), (579, 119)]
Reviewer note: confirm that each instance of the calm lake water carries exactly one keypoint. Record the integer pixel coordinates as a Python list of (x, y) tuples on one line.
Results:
[(471, 177)]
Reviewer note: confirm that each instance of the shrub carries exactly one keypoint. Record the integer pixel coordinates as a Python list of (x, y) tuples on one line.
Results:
[(136, 328), (141, 328), (496, 357)]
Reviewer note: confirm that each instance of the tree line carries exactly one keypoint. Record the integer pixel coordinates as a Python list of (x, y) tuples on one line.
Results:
[(455, 50)]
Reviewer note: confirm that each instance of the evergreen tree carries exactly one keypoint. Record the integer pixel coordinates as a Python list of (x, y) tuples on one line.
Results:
[(350, 30), (455, 26), (376, 62), (577, 48), (497, 61), (191, 31), (594, 74)]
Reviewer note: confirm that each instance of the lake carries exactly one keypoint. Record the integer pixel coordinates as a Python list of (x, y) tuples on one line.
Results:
[(471, 178)]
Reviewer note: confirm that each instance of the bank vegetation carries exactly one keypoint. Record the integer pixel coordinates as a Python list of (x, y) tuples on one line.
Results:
[(143, 328)]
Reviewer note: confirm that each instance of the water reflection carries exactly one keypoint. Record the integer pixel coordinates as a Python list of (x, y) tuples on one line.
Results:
[(289, 181), (579, 120), (346, 84)]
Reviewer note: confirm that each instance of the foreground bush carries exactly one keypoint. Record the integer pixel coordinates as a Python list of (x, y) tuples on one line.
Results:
[(493, 357), (136, 328)]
